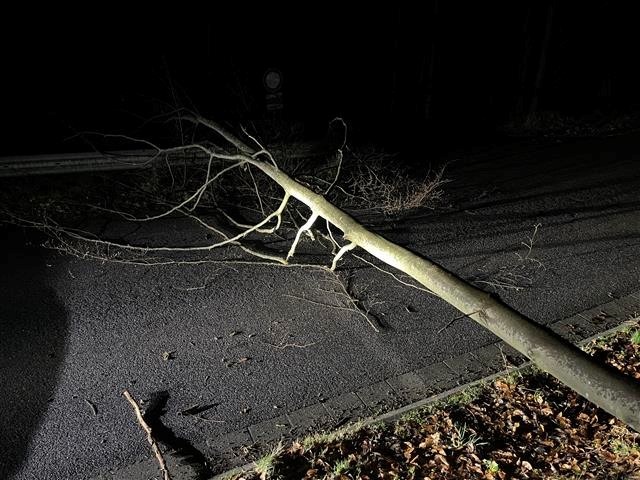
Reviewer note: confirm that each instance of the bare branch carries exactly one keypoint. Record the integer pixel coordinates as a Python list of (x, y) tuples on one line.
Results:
[(341, 252), (340, 156), (303, 228), (262, 150), (220, 130), (250, 251), (195, 196), (85, 236), (395, 277)]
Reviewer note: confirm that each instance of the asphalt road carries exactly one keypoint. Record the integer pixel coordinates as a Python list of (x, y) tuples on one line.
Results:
[(248, 341)]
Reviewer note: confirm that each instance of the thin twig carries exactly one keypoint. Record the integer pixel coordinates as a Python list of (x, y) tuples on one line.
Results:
[(304, 228), (150, 439), (341, 252), (92, 406), (284, 346), (455, 319), (338, 169), (83, 236), (395, 277)]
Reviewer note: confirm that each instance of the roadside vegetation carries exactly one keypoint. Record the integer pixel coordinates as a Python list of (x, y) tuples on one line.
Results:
[(558, 125), (525, 425), (362, 179)]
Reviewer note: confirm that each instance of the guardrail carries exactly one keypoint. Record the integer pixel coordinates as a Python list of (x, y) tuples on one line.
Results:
[(83, 162), (19, 166)]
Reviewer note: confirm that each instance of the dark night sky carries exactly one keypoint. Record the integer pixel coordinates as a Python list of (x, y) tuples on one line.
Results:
[(109, 69)]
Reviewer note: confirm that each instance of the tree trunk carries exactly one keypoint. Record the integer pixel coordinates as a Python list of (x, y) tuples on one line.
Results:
[(608, 389)]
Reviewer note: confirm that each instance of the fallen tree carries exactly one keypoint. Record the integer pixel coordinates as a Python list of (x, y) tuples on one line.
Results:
[(612, 392)]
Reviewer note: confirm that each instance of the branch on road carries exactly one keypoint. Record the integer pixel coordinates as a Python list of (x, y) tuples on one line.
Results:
[(150, 439)]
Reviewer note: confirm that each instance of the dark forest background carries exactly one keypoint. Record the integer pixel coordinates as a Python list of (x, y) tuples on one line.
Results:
[(406, 74)]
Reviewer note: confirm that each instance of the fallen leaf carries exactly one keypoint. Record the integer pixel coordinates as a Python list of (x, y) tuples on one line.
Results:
[(166, 356)]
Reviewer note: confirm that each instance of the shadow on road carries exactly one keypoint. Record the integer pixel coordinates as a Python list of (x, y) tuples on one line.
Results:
[(182, 448), (33, 328)]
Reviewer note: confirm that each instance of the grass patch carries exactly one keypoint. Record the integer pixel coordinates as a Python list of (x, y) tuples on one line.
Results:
[(465, 396), (465, 438), (345, 432), (491, 466), (340, 467), (459, 398), (266, 464), (419, 414)]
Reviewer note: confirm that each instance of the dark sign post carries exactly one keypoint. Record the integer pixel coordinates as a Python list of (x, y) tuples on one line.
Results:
[(272, 81)]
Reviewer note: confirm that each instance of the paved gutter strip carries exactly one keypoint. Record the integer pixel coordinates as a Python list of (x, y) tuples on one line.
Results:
[(411, 390), (309, 418)]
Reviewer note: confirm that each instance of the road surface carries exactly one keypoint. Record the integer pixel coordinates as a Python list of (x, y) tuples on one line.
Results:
[(249, 344)]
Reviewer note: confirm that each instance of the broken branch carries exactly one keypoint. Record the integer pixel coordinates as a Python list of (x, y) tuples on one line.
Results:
[(150, 439)]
